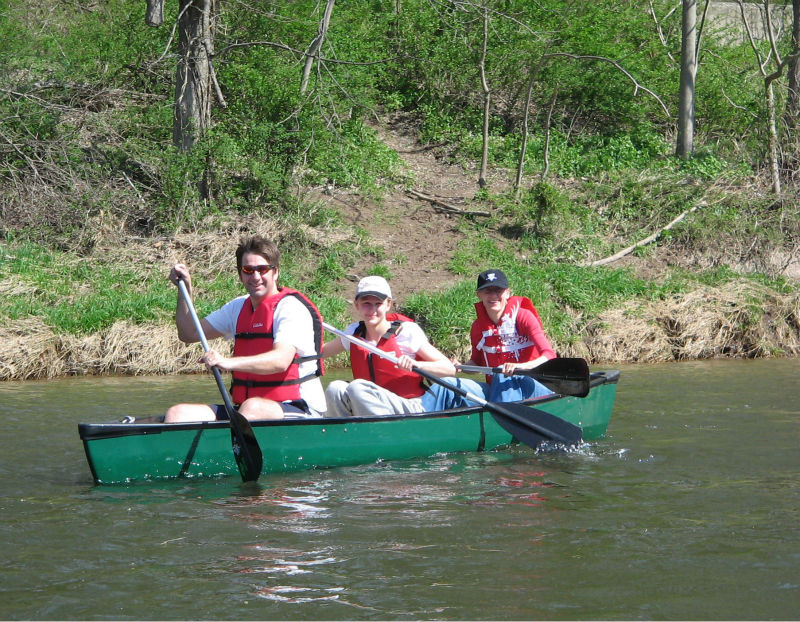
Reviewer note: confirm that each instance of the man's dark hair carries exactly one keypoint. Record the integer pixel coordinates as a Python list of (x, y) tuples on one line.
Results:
[(258, 245)]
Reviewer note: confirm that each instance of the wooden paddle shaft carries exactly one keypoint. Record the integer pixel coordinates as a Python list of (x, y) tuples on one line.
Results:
[(201, 334)]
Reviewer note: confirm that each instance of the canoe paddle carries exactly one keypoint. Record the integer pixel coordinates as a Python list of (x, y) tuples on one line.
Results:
[(528, 425), (567, 376), (245, 445)]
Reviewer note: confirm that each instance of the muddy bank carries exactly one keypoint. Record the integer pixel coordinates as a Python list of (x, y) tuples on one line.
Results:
[(741, 319)]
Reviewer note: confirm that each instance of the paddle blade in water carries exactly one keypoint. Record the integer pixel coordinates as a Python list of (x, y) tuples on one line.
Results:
[(522, 433), (246, 449), (533, 424)]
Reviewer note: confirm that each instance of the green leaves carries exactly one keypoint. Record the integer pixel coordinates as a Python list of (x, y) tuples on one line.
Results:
[(80, 296)]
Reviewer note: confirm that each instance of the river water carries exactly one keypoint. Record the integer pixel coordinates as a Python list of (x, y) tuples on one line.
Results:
[(688, 509)]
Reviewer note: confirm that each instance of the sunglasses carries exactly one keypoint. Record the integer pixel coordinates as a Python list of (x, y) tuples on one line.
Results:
[(260, 269)]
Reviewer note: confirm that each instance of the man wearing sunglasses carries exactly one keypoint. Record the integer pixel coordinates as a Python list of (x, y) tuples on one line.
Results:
[(277, 338)]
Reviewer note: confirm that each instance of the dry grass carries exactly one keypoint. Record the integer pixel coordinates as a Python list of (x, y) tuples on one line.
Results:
[(736, 320), (35, 352), (208, 251), (740, 319)]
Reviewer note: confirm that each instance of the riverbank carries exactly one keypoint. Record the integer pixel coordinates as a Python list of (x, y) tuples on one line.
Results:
[(629, 253), (739, 319), (103, 306)]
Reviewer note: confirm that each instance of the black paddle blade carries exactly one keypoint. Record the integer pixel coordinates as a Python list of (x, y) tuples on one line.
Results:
[(531, 425), (522, 433), (567, 376), (246, 449)]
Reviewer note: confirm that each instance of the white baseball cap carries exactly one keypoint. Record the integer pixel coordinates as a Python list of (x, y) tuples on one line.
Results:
[(373, 286)]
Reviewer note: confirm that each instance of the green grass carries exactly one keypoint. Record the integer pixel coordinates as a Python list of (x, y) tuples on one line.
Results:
[(78, 295), (560, 292)]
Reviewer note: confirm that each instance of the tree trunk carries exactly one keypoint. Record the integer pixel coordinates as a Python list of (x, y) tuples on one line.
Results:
[(548, 126), (790, 113), (769, 90), (395, 29), (155, 13), (316, 45), (193, 85), (774, 163), (793, 97), (524, 143), (685, 143), (487, 101)]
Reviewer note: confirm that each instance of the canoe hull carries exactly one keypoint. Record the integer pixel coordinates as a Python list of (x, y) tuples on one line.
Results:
[(128, 452)]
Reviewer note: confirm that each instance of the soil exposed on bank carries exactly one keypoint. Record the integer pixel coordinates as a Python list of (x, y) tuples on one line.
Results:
[(418, 230), (418, 227)]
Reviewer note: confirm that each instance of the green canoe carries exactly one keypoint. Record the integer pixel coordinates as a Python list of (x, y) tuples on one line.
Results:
[(147, 449)]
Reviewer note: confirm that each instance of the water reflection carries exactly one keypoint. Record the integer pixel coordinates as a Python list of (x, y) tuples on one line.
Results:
[(299, 509), (297, 595), (687, 509)]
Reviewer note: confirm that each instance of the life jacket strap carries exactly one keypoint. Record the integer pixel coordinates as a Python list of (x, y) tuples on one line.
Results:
[(268, 335), (271, 383)]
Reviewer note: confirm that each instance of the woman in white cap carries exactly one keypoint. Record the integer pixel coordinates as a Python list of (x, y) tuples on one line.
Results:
[(380, 387)]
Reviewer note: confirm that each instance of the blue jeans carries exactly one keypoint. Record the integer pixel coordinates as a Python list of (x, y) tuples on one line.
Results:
[(513, 388), (502, 389)]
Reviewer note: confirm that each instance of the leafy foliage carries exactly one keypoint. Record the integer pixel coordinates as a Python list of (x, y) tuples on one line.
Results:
[(87, 111), (98, 87)]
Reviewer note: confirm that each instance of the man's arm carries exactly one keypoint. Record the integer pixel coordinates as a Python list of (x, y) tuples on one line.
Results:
[(187, 332), (272, 362)]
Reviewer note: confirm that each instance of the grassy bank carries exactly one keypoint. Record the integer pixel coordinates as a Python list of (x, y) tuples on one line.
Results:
[(111, 312)]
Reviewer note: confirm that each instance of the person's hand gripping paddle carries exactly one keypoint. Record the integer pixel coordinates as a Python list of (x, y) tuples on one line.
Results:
[(246, 450)]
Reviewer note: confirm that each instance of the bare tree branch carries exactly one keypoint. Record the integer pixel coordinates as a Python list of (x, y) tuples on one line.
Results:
[(661, 36), (619, 68), (553, 99), (446, 207), (487, 99), (302, 53), (316, 45)]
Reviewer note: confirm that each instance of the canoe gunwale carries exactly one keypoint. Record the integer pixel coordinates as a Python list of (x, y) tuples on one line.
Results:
[(94, 431)]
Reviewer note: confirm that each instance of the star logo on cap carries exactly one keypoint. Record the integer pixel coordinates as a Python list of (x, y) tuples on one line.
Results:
[(491, 276)]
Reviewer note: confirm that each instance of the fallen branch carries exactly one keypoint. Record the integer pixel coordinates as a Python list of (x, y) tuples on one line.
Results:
[(647, 240), (445, 207)]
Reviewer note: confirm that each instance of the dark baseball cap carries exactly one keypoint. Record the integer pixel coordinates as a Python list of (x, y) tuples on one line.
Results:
[(492, 278)]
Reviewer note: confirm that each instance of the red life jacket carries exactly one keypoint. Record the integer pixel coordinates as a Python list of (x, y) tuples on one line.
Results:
[(254, 336), (382, 372), (501, 343)]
